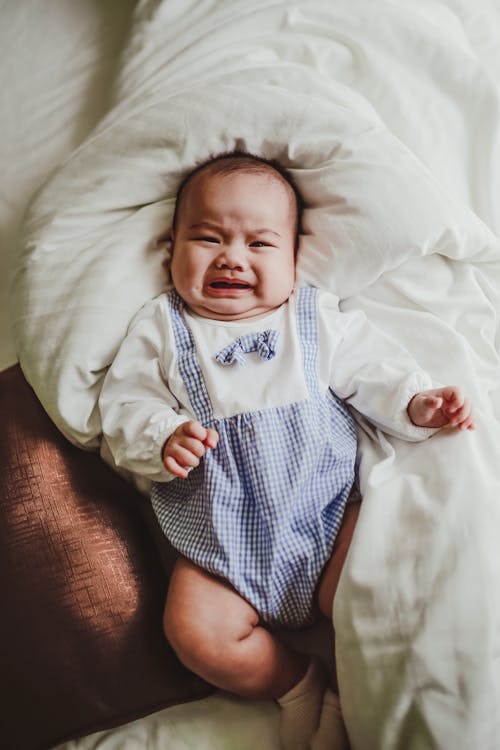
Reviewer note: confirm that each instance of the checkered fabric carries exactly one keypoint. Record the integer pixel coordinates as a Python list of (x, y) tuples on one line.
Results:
[(262, 342), (262, 510)]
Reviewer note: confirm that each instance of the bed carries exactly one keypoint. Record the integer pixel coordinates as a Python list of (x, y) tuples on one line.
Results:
[(387, 114)]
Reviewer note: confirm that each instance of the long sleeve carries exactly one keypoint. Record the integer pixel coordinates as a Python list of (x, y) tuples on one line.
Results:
[(138, 410), (371, 371)]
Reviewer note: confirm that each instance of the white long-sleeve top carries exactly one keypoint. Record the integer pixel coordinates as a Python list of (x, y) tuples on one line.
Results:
[(143, 399)]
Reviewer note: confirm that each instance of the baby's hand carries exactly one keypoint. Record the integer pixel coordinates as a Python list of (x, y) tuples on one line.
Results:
[(442, 407), (184, 448)]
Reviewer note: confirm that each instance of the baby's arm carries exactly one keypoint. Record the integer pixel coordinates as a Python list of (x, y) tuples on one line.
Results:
[(442, 407), (380, 379), (184, 448), (138, 410)]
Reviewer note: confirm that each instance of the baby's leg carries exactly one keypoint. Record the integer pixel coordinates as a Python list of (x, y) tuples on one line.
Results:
[(216, 634), (331, 572), (331, 734)]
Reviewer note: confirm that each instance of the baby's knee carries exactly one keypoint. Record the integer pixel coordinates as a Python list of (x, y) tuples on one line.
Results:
[(195, 644), (180, 634), (206, 621)]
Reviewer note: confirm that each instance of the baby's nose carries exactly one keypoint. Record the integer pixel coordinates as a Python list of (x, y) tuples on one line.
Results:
[(232, 257)]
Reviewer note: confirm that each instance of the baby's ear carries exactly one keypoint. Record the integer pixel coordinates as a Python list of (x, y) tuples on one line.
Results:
[(166, 237), (165, 241)]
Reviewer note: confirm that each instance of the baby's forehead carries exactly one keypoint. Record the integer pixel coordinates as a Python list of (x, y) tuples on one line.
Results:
[(211, 175), (201, 183)]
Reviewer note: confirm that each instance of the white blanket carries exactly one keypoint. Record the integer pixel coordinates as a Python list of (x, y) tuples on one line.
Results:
[(389, 121), (56, 67)]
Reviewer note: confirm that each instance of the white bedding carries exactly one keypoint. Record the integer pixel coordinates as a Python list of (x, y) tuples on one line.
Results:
[(388, 114), (57, 64)]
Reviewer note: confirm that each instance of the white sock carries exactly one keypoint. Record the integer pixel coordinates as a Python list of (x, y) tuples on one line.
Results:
[(301, 708), (331, 733)]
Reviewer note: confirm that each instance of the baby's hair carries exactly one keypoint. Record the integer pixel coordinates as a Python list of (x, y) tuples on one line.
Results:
[(230, 162)]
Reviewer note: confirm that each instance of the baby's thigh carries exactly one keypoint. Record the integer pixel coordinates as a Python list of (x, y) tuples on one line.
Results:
[(203, 611), (330, 575)]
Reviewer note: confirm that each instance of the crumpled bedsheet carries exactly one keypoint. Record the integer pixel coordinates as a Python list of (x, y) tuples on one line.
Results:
[(387, 114)]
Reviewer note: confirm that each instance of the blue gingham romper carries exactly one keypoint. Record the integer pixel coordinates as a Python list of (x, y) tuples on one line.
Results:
[(263, 508)]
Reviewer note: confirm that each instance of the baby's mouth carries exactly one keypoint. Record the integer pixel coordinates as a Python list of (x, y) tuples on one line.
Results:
[(229, 285)]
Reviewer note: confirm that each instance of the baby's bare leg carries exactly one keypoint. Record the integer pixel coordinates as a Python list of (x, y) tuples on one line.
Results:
[(216, 634), (331, 572), (331, 733)]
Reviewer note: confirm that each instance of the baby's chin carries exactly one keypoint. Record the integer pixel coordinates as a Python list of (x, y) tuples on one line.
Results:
[(230, 309)]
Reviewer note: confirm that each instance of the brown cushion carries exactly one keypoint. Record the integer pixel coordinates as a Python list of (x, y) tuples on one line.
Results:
[(82, 589)]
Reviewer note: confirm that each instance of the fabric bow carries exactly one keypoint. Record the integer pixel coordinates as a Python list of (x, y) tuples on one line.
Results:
[(263, 342)]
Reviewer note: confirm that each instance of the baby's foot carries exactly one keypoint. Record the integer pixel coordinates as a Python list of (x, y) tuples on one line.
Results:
[(301, 708), (331, 733)]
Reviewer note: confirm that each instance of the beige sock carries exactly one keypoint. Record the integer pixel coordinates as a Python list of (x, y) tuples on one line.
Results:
[(331, 733), (301, 708)]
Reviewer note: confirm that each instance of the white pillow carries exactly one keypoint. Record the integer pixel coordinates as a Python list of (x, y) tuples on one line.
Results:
[(90, 256)]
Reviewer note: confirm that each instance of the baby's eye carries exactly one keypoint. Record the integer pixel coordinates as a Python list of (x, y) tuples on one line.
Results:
[(206, 238), (259, 243)]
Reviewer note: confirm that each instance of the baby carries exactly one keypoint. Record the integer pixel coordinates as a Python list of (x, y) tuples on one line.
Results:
[(233, 394)]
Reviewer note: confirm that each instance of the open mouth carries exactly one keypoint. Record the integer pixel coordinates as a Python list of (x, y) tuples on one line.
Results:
[(229, 285)]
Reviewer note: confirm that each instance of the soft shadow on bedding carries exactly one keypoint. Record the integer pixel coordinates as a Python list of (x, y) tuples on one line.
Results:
[(113, 30)]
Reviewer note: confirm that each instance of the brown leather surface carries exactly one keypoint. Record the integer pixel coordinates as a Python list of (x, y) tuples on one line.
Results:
[(81, 589)]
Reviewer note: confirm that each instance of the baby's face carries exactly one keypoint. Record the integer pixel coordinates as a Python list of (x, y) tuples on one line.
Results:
[(233, 247)]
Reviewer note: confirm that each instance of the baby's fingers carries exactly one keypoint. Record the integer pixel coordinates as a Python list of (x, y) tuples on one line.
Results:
[(174, 468), (206, 436), (212, 438), (466, 420), (193, 445), (454, 398), (185, 457), (193, 429), (458, 414)]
